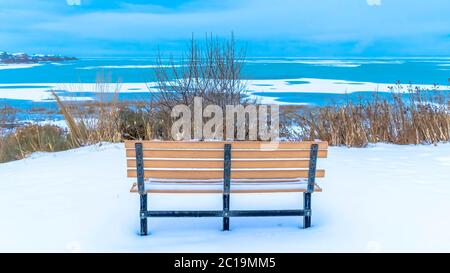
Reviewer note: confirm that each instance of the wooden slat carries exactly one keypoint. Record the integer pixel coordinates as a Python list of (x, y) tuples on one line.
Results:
[(232, 191), (131, 163), (316, 189), (219, 144), (220, 181), (219, 154), (216, 174)]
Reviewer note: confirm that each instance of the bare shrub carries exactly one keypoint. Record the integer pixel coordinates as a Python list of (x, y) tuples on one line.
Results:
[(210, 69)]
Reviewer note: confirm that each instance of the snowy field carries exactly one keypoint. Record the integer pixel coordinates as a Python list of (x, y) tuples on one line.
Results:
[(385, 198)]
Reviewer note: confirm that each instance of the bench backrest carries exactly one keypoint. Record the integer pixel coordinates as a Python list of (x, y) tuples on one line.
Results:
[(197, 160)]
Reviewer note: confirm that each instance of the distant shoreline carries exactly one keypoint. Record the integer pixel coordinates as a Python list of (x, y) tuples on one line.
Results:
[(24, 58)]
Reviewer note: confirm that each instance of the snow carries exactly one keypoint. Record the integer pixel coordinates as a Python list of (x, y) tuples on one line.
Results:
[(18, 66), (308, 85), (384, 198), (128, 66), (321, 62), (218, 186), (328, 86), (54, 122)]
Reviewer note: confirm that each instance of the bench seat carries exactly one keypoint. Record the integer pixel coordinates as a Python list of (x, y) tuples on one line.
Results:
[(216, 186)]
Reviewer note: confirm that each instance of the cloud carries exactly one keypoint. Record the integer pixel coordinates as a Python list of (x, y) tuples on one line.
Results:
[(298, 27), (73, 2), (374, 2)]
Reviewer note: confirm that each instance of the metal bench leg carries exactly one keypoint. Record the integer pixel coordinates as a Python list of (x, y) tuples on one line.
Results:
[(226, 208), (143, 214), (226, 186), (141, 188), (307, 209), (310, 188)]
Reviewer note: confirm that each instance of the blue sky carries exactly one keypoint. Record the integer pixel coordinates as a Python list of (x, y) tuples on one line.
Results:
[(362, 28)]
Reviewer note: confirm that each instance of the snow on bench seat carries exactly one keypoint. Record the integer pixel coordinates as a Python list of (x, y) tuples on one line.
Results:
[(216, 186)]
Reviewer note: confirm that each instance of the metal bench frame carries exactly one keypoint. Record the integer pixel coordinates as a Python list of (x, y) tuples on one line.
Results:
[(225, 213)]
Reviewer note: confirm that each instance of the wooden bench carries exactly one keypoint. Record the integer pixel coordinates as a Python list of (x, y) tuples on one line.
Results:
[(224, 168)]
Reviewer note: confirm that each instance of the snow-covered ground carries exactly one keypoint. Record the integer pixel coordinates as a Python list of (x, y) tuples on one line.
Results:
[(381, 198)]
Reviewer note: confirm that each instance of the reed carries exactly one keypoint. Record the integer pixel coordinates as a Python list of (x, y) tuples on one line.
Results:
[(423, 117), (90, 123)]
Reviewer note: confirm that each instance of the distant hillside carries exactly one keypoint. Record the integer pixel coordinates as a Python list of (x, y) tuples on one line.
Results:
[(21, 58)]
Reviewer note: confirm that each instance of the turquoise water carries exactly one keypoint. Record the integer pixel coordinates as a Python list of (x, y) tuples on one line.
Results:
[(416, 71)]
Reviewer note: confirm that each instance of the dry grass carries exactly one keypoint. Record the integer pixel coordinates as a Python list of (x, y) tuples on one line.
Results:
[(90, 123), (33, 138), (7, 119), (7, 116), (113, 121), (424, 118)]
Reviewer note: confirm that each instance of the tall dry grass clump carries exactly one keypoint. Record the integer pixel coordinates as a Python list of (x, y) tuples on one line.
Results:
[(7, 120), (420, 117), (28, 139), (19, 140), (96, 121)]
